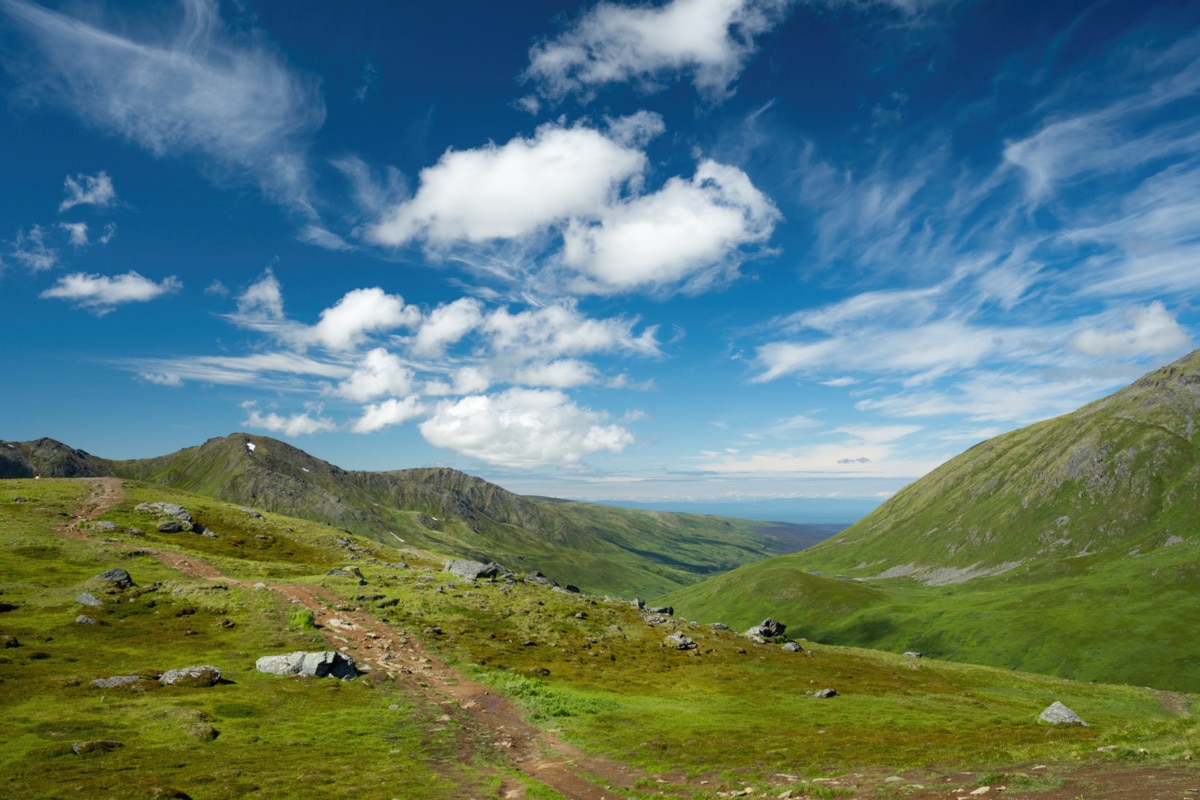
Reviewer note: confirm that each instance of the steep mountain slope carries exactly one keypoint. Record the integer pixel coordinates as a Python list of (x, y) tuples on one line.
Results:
[(48, 458), (598, 548), (1033, 549)]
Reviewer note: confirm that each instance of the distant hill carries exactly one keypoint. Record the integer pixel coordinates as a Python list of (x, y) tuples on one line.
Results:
[(1070, 547), (601, 549)]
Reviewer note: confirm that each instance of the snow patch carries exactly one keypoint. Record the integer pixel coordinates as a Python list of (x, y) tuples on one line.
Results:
[(250, 446)]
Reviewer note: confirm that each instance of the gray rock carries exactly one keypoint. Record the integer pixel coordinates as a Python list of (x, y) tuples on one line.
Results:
[(251, 512), (537, 577), (87, 599), (767, 629), (116, 575), (106, 526), (116, 681), (171, 526), (1058, 714), (201, 676), (792, 647), (668, 610), (719, 626), (84, 619), (317, 665), (471, 570), (8, 640), (825, 693), (913, 654), (678, 641)]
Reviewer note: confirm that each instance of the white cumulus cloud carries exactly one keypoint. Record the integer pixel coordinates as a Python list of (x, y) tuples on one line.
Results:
[(710, 41), (523, 428), (378, 416), (1149, 330), (446, 325), (686, 230), (378, 374), (512, 190), (102, 293)]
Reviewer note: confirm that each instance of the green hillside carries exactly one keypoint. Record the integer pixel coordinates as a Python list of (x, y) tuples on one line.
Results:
[(1068, 547), (441, 656), (600, 549)]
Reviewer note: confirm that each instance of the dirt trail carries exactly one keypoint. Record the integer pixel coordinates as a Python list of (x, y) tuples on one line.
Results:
[(486, 717)]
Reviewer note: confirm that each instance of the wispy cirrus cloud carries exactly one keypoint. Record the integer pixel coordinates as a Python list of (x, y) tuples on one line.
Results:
[(88, 190), (234, 101)]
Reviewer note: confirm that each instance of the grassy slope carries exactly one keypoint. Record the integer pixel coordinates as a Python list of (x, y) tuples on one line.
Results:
[(1090, 515), (598, 548), (277, 737), (596, 666)]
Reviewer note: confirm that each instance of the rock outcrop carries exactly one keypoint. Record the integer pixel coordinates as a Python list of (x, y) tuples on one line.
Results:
[(317, 665)]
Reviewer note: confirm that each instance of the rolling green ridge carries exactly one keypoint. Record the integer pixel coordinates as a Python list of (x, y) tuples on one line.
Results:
[(586, 666), (1069, 547), (600, 549)]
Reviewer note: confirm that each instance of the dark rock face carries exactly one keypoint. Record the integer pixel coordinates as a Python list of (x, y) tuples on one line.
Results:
[(171, 526), (200, 677)]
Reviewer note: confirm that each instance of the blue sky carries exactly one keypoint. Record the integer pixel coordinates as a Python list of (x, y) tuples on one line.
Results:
[(720, 250)]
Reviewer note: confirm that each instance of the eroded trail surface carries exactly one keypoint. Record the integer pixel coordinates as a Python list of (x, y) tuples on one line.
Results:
[(484, 715)]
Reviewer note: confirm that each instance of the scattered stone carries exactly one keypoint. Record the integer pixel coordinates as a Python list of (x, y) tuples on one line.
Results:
[(198, 677), (117, 681), (719, 626), (95, 746), (913, 654), (572, 588), (317, 664), (1058, 714), (679, 641), (251, 512), (822, 693), (580, 615), (767, 629), (340, 572), (792, 647), (537, 577), (667, 610), (529, 643), (117, 576), (87, 599), (106, 526), (171, 526), (435, 630), (84, 619)]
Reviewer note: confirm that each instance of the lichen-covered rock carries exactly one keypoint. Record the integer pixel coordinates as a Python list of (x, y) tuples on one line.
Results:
[(471, 570), (767, 629), (200, 676), (84, 619), (170, 526), (95, 746), (87, 599), (117, 681), (1058, 714), (315, 664)]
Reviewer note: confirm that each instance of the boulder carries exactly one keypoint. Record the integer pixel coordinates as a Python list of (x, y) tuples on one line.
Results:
[(767, 629), (1058, 714), (823, 693), (202, 676), (537, 577), (678, 641), (668, 610), (719, 626), (117, 576), (317, 665), (84, 619), (913, 654), (117, 681), (471, 570), (170, 526), (792, 647)]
